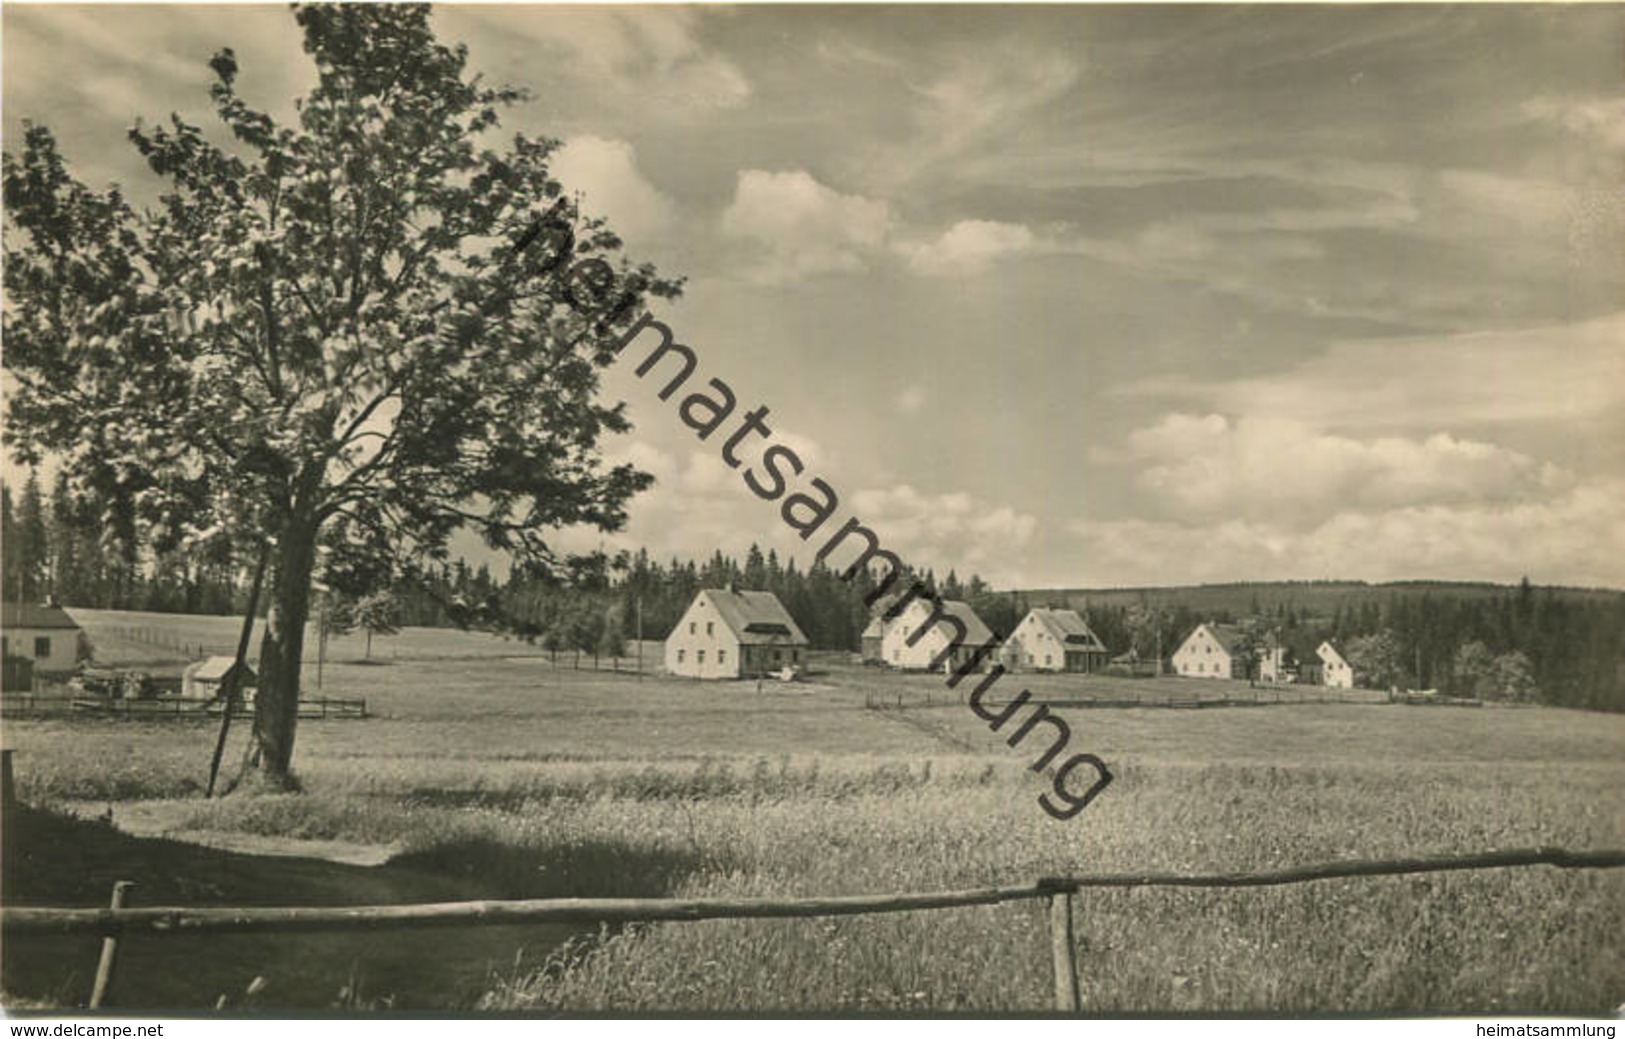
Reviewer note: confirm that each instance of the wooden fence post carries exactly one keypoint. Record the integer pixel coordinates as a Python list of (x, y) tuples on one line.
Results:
[(1063, 950), (104, 968)]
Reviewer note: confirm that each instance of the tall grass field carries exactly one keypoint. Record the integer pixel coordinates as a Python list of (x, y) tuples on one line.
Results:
[(489, 770)]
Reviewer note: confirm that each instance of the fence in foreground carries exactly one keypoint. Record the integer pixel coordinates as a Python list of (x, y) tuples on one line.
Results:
[(29, 705), (118, 921)]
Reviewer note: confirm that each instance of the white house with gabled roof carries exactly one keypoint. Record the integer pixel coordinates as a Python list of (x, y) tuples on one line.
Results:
[(1055, 640), (947, 629), (1209, 652), (43, 634), (1335, 670), (727, 633)]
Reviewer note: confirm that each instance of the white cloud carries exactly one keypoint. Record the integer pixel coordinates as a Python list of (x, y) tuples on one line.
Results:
[(1540, 374), (911, 400), (942, 531), (968, 246), (987, 91), (804, 227), (647, 58), (1271, 467), (1576, 537), (1600, 118), (606, 172)]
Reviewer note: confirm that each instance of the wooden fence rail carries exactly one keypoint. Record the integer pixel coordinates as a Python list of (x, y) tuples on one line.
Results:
[(18, 705), (1351, 868), (116, 922), (177, 920)]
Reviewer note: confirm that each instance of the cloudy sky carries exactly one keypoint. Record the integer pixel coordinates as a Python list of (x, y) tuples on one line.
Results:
[(1076, 296)]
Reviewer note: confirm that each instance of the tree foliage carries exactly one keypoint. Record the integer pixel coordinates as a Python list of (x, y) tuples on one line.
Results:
[(1376, 660), (323, 339)]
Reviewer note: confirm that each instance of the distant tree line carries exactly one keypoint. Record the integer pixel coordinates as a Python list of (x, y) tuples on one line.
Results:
[(605, 599), (1519, 644), (88, 553)]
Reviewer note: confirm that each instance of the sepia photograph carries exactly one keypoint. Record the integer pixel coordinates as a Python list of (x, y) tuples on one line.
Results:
[(854, 511)]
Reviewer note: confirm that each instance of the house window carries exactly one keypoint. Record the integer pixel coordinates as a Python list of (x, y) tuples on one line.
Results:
[(778, 655), (795, 656), (699, 656), (680, 654), (42, 647), (691, 627), (1046, 659), (710, 628), (722, 656)]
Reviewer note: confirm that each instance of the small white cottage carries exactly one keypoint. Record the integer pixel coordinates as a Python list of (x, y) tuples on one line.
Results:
[(947, 629), (43, 634), (727, 633), (1209, 652), (1335, 670)]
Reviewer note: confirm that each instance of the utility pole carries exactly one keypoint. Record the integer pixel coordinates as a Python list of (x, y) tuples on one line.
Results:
[(638, 605), (321, 641), (1159, 642)]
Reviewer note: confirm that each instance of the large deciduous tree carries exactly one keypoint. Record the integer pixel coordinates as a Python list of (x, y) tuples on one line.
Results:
[(328, 341)]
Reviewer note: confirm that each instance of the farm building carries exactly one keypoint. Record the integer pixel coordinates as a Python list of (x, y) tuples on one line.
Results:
[(871, 643), (939, 625), (727, 633), (1209, 652), (44, 635), (1055, 640), (1335, 669), (202, 680), (1276, 661), (1303, 664)]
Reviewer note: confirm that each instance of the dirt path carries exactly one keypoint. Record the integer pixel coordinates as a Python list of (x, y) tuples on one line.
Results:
[(167, 818)]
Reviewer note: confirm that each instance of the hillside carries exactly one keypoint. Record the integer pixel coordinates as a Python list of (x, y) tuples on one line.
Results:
[(1308, 598)]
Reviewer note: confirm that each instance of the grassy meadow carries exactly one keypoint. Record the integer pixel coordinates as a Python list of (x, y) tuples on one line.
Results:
[(490, 769)]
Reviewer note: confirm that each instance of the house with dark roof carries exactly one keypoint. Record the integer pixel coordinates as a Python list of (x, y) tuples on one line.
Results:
[(1054, 640), (943, 633), (43, 635), (871, 644), (728, 633), (1210, 652)]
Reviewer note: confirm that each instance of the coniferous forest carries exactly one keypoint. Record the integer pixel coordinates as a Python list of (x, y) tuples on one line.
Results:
[(1556, 646)]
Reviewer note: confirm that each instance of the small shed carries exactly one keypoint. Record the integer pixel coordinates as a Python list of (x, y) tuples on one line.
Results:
[(203, 680)]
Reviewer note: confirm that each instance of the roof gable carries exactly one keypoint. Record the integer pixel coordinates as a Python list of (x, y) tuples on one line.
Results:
[(34, 615), (215, 669), (976, 632), (1330, 653), (756, 618), (1226, 636), (1068, 628)]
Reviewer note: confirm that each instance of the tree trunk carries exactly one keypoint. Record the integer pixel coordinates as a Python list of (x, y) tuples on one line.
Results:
[(276, 704)]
